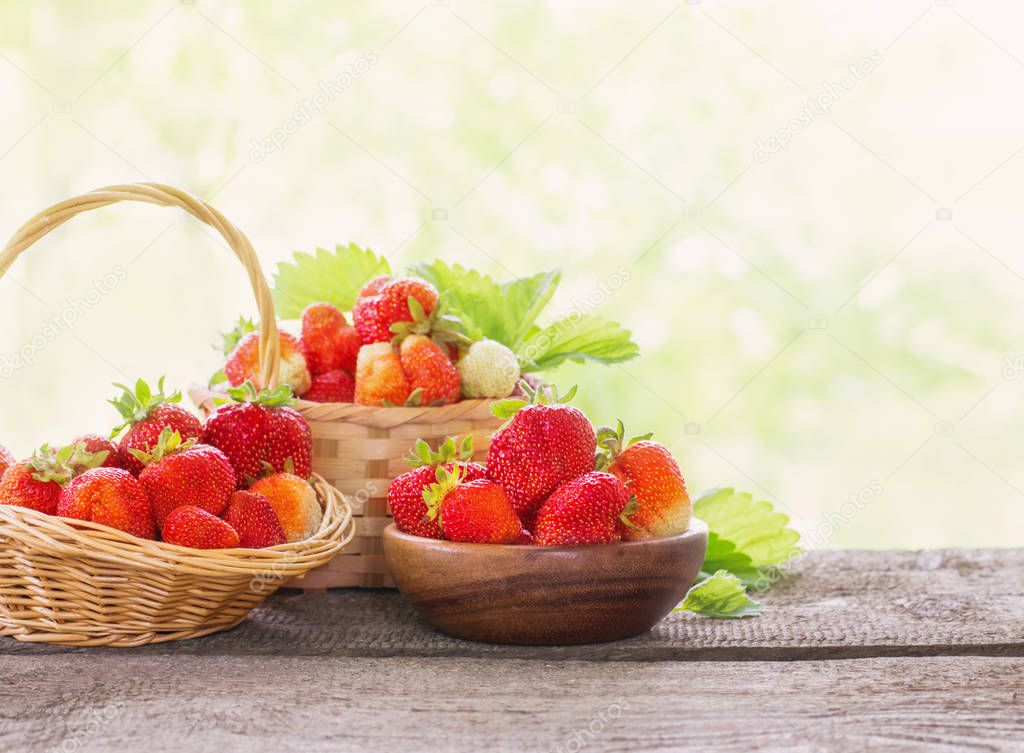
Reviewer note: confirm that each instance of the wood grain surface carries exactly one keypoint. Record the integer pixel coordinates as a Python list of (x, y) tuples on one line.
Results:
[(857, 651)]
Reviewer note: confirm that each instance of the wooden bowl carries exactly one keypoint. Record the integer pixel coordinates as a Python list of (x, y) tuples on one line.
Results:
[(545, 596)]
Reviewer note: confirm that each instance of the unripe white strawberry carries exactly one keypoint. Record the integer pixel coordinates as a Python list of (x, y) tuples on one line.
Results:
[(488, 369)]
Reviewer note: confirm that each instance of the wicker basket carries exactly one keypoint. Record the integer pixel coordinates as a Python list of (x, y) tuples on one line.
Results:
[(79, 583), (359, 449)]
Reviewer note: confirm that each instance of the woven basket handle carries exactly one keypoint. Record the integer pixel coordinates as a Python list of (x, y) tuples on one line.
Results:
[(154, 193)]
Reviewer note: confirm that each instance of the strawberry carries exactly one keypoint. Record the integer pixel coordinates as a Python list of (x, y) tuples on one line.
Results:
[(259, 432), (654, 479), (196, 528), (328, 342), (255, 520), (181, 473), (36, 483), (590, 509), (477, 512), (332, 387), (112, 497), (146, 415), (379, 376), (387, 303), (6, 460), (94, 444), (294, 502), (432, 376), (375, 285), (540, 448), (405, 494), (243, 364), (489, 369)]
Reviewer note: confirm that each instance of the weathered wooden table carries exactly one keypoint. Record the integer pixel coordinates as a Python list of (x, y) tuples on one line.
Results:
[(857, 651)]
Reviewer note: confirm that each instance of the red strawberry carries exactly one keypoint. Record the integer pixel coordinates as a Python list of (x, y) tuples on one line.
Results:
[(654, 479), (255, 520), (94, 444), (405, 494), (375, 285), (146, 415), (477, 512), (379, 376), (542, 447), (432, 376), (181, 473), (375, 312), (112, 497), (243, 364), (196, 528), (6, 460), (333, 387), (590, 509), (294, 502), (328, 342), (258, 430), (36, 483)]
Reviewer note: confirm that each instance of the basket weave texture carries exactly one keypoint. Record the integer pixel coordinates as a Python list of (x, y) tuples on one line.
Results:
[(82, 584)]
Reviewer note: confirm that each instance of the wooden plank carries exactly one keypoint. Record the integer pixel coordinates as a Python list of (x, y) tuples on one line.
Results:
[(836, 605), (215, 704)]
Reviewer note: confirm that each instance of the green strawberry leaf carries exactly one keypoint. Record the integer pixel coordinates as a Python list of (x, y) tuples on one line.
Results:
[(721, 596), (333, 276), (586, 337), (723, 555), (754, 529)]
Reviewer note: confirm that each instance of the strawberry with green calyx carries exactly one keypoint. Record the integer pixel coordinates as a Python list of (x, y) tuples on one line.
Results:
[(181, 472), (112, 497), (197, 528), (258, 428), (405, 494), (477, 512), (544, 444), (592, 509), (488, 370), (387, 303), (90, 445), (336, 386), (146, 414), (653, 477), (380, 380), (37, 483), (329, 342), (444, 329), (432, 376), (243, 364)]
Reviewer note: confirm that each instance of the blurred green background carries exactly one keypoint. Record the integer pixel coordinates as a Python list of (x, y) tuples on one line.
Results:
[(821, 263)]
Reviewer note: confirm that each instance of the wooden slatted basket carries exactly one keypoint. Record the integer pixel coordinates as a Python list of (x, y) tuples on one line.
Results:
[(78, 583), (360, 449)]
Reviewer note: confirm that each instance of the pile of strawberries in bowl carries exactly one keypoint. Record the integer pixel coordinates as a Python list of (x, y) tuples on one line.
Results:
[(399, 351), (550, 479), (239, 480)]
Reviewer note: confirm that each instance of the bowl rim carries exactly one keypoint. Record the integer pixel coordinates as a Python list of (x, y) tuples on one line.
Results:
[(697, 529)]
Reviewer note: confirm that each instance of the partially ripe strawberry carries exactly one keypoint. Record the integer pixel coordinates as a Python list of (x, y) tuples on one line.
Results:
[(294, 502), (181, 473), (432, 376), (541, 448), (328, 341), (243, 365), (146, 414), (92, 445), (259, 431), (591, 509), (196, 528), (112, 497), (375, 312), (405, 494), (36, 483), (654, 479), (380, 379), (255, 520), (6, 460), (333, 387), (489, 369), (477, 512)]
